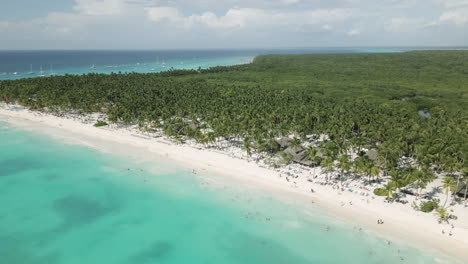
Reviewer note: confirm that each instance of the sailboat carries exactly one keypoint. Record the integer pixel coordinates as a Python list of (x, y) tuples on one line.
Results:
[(31, 71), (51, 71), (41, 73)]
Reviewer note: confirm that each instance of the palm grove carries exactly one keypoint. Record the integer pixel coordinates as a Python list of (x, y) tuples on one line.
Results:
[(357, 100)]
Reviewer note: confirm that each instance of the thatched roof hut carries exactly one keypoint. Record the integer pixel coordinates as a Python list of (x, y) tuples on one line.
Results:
[(283, 142), (373, 155), (299, 155), (320, 153)]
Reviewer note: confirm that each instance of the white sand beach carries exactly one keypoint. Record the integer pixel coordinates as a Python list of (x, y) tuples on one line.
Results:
[(401, 222)]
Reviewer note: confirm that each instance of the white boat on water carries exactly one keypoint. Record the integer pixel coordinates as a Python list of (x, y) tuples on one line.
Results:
[(15, 73), (31, 71), (51, 71), (41, 73)]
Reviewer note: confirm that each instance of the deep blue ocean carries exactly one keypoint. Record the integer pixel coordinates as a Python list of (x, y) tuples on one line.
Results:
[(27, 64)]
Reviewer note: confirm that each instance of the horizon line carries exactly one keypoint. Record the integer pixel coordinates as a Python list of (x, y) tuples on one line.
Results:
[(245, 48)]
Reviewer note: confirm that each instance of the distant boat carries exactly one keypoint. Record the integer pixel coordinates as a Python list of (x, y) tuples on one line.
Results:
[(51, 71), (31, 71), (41, 73), (15, 73)]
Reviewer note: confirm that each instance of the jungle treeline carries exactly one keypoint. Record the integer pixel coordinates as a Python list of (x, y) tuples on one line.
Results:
[(358, 100)]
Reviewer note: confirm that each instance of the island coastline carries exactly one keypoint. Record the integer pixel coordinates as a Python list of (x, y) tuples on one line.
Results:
[(402, 223)]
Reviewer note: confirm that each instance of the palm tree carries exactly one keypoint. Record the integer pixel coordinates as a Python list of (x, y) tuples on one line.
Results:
[(442, 213), (359, 166), (448, 183), (419, 177), (314, 156), (295, 142), (465, 179), (327, 164), (396, 179), (389, 187), (344, 165), (374, 171), (210, 138), (247, 146), (286, 157)]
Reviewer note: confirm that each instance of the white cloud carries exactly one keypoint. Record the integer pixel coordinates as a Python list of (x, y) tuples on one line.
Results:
[(234, 18), (4, 25), (354, 32), (327, 27), (250, 17), (404, 24), (160, 14), (453, 3), (233, 22), (100, 7), (457, 16)]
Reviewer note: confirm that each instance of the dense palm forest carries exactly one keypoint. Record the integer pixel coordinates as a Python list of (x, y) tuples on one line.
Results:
[(410, 105)]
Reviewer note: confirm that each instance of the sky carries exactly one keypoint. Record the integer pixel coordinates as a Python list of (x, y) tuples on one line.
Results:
[(198, 24)]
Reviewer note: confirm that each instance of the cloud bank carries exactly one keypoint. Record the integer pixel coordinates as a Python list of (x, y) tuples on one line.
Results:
[(154, 24)]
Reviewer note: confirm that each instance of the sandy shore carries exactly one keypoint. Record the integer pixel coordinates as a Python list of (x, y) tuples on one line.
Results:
[(401, 223)]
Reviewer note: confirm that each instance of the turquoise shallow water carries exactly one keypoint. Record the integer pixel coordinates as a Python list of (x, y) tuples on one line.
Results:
[(69, 204)]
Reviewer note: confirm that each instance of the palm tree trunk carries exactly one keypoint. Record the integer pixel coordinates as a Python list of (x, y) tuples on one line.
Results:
[(446, 198), (466, 190)]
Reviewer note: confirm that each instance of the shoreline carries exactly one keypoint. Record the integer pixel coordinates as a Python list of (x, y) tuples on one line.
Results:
[(402, 223)]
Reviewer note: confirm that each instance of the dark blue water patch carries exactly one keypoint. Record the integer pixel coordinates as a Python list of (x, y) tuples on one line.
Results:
[(15, 251), (51, 176), (155, 253), (17, 165), (78, 210)]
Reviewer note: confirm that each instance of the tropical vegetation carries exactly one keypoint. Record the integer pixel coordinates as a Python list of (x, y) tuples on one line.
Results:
[(412, 108)]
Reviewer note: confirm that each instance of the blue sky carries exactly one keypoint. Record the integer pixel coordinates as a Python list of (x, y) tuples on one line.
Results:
[(163, 24)]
